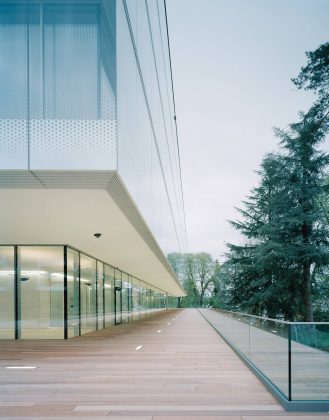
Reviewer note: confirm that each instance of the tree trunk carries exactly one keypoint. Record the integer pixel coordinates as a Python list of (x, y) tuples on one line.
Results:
[(307, 291), (201, 298)]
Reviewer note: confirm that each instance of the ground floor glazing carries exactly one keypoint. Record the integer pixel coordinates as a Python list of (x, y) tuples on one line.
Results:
[(60, 292)]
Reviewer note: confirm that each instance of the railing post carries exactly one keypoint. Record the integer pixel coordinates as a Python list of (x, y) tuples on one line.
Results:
[(289, 362), (249, 335)]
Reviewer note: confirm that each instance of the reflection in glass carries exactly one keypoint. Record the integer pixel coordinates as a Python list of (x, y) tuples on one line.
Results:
[(41, 283), (72, 293), (135, 299), (172, 302), (13, 86), (96, 299), (7, 292), (57, 84), (70, 82), (100, 295), (125, 297), (310, 361), (118, 296), (87, 294), (109, 296), (151, 168)]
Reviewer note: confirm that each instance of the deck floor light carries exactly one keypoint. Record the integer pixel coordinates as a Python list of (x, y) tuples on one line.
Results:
[(20, 367)]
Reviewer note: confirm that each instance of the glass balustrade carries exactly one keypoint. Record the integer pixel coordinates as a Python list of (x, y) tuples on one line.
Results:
[(292, 356)]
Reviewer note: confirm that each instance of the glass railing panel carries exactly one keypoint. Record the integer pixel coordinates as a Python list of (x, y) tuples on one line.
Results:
[(310, 361), (268, 350), (265, 343), (240, 332)]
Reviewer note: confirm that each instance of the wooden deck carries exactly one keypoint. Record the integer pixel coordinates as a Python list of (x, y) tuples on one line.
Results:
[(172, 366)]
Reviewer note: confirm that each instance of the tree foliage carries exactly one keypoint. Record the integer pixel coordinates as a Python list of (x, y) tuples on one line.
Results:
[(315, 75), (282, 268), (197, 273), (283, 222)]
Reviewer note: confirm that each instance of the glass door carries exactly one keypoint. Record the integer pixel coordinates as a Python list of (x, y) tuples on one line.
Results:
[(118, 305)]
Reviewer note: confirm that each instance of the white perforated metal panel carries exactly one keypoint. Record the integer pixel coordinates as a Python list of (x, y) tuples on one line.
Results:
[(13, 144), (73, 144)]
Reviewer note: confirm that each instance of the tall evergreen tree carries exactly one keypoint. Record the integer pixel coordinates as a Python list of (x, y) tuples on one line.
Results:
[(283, 220), (262, 279), (308, 245), (315, 75), (285, 225)]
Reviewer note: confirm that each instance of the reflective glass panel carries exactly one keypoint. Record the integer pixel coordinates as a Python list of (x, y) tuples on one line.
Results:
[(118, 297), (13, 85), (87, 294), (135, 299), (7, 292), (310, 361), (100, 295), (109, 295), (125, 297), (41, 284), (72, 293)]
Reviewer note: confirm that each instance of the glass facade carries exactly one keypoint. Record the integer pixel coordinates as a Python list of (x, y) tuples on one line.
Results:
[(58, 85), (60, 292), (73, 292), (88, 294), (86, 85), (7, 292), (109, 292), (125, 293), (41, 291), (148, 155), (86, 103)]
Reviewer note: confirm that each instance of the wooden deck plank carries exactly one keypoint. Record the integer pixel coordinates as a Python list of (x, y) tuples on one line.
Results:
[(186, 371)]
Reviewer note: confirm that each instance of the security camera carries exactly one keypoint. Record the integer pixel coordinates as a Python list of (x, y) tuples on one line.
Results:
[(97, 235)]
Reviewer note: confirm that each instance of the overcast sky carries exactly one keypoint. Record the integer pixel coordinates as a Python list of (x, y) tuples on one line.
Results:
[(232, 64)]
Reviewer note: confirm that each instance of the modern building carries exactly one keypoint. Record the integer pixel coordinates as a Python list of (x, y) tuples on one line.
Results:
[(91, 194)]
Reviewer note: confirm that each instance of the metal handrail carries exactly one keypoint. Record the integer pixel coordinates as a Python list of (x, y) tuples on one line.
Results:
[(271, 319), (283, 392)]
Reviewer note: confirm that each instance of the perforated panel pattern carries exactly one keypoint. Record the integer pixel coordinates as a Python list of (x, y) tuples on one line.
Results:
[(13, 98), (13, 144), (13, 95), (12, 132), (70, 144), (81, 33)]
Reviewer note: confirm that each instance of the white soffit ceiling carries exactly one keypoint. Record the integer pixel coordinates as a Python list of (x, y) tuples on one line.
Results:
[(65, 212)]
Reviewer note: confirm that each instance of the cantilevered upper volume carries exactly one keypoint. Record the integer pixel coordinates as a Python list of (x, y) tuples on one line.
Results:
[(87, 133)]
